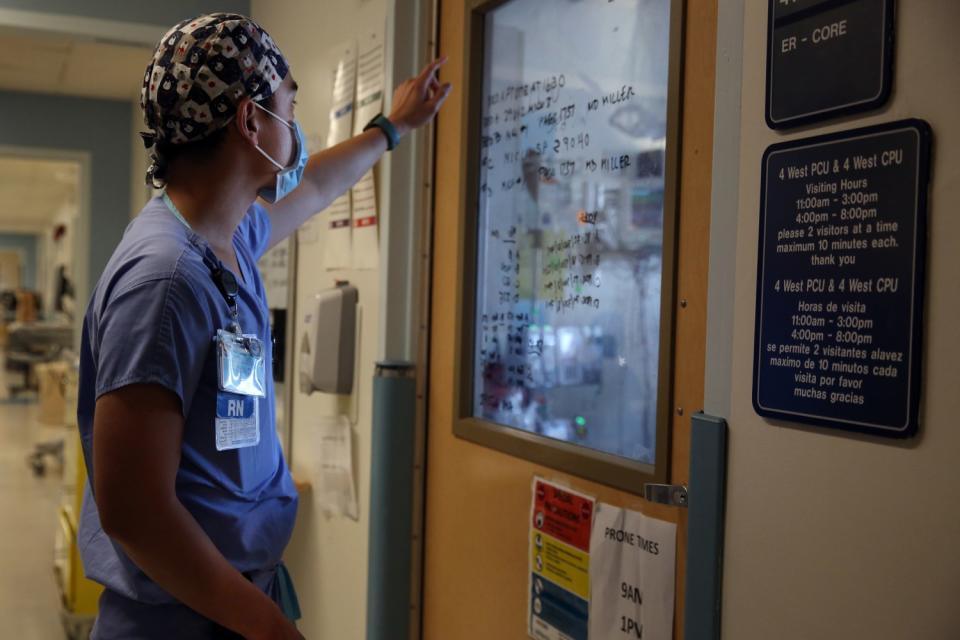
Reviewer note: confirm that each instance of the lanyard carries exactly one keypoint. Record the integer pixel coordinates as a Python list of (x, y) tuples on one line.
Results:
[(223, 278), (176, 212)]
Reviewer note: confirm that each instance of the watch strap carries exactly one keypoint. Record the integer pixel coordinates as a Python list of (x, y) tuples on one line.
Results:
[(381, 122)]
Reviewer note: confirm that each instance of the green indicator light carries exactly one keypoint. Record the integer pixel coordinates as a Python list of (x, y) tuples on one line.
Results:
[(581, 421)]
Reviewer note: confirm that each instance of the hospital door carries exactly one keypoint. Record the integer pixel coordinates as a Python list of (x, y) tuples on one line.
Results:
[(477, 504)]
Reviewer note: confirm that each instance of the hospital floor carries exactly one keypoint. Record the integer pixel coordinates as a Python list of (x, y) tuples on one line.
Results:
[(29, 598)]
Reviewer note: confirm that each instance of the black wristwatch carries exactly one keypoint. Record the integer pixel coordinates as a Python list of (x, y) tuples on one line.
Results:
[(381, 122)]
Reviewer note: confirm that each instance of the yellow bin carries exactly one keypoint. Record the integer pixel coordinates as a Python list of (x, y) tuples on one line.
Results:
[(80, 595)]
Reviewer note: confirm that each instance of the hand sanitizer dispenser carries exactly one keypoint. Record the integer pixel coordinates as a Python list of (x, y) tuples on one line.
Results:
[(327, 344)]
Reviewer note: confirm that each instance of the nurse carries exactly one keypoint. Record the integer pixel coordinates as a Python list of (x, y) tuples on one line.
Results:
[(190, 503)]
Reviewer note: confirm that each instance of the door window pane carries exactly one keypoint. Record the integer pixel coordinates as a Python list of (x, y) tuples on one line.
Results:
[(570, 221)]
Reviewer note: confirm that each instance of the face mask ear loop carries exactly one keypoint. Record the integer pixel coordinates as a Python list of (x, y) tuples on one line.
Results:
[(267, 156), (263, 108), (264, 153)]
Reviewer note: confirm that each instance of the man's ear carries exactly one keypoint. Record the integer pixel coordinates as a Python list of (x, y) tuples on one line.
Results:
[(247, 121)]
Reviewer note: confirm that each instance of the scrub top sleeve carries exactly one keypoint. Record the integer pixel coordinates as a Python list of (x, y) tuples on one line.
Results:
[(154, 332), (255, 230)]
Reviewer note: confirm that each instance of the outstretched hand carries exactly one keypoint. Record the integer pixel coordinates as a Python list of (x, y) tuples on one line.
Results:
[(417, 100)]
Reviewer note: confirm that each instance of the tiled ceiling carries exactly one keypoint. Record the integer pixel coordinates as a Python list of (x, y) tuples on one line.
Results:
[(33, 191), (63, 65)]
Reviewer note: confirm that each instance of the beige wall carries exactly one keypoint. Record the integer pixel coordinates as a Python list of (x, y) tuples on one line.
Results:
[(838, 536), (328, 555)]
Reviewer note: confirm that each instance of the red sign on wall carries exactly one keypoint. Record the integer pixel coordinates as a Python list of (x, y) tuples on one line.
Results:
[(565, 515)]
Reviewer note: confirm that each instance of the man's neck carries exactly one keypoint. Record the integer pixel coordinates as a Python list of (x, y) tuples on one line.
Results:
[(213, 205)]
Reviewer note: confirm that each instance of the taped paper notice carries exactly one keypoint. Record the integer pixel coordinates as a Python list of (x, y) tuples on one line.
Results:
[(335, 490), (337, 216), (370, 86), (632, 573)]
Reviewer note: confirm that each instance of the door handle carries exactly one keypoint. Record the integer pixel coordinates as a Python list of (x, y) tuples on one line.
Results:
[(674, 495)]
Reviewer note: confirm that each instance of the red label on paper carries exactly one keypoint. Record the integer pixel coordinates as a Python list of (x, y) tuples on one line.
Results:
[(562, 514), (365, 222)]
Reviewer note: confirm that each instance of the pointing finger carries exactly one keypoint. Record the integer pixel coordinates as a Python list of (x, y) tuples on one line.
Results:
[(430, 69), (440, 96)]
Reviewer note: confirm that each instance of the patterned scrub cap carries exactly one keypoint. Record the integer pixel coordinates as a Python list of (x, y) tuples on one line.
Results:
[(200, 71)]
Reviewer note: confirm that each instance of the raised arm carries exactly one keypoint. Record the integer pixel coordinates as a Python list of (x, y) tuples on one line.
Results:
[(332, 171), (136, 452)]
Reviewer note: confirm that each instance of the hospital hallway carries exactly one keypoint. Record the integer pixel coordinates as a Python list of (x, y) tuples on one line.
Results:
[(29, 599)]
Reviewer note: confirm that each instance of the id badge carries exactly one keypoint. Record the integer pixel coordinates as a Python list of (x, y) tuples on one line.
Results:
[(240, 364), (237, 421)]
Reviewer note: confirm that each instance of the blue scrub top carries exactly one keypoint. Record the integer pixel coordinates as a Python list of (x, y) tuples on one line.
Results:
[(151, 320)]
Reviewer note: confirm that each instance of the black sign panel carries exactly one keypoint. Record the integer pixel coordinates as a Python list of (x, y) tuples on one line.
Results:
[(826, 58), (840, 279)]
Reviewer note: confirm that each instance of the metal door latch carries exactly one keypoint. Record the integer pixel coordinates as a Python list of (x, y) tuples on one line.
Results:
[(674, 495)]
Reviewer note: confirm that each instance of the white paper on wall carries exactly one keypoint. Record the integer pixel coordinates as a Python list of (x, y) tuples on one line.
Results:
[(632, 574), (365, 241), (344, 90), (309, 231), (337, 216), (370, 87), (338, 234), (370, 78), (274, 268), (333, 474)]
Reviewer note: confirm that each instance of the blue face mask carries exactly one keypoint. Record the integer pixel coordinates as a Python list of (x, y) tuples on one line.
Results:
[(289, 177)]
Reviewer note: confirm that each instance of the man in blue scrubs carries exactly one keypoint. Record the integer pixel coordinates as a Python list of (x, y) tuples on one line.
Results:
[(190, 503)]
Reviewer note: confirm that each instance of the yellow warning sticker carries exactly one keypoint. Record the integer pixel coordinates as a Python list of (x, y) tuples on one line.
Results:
[(560, 563)]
